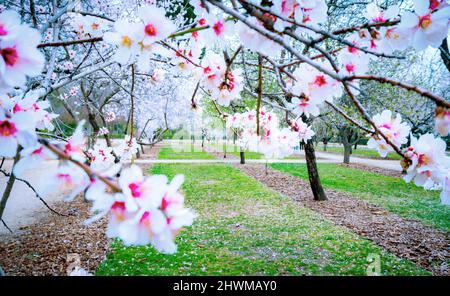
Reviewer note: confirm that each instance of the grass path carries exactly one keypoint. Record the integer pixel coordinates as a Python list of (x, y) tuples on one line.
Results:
[(393, 194), (244, 228)]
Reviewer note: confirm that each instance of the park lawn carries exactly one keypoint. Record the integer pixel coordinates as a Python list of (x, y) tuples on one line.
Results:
[(249, 154), (361, 152), (186, 152), (244, 228), (390, 193)]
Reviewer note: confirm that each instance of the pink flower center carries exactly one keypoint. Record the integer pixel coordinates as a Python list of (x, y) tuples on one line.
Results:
[(423, 159), (118, 205), (38, 151), (202, 22), (379, 19), (65, 178), (9, 55), (17, 108), (352, 49), (350, 68), (320, 80), (3, 31), (7, 128), (164, 204), (218, 28), (135, 190), (373, 45), (150, 30), (145, 219), (425, 21), (303, 103)]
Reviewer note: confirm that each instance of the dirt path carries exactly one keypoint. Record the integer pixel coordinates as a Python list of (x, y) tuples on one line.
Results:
[(50, 245), (381, 171), (406, 238)]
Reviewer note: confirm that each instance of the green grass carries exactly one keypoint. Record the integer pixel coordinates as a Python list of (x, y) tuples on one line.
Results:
[(361, 152), (244, 228), (390, 193), (187, 152), (235, 150), (249, 154)]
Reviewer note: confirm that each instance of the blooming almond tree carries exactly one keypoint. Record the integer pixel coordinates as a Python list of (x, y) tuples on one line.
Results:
[(43, 56)]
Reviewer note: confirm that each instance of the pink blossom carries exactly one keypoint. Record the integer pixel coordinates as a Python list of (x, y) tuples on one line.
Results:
[(393, 128), (19, 56), (426, 28), (427, 163)]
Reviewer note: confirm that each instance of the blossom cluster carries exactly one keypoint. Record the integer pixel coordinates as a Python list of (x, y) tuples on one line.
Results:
[(428, 165), (312, 88), (425, 159), (393, 129), (147, 210), (223, 84), (271, 140), (137, 41), (140, 210)]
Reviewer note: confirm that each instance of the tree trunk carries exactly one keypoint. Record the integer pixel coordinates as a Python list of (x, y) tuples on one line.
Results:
[(445, 53), (9, 186), (242, 154), (347, 152), (313, 173)]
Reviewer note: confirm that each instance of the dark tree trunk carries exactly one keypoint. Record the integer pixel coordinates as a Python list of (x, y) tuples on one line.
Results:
[(313, 173), (242, 154), (347, 152), (9, 185), (445, 53)]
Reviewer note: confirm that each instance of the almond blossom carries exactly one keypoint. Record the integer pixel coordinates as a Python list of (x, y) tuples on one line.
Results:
[(314, 84), (255, 41), (147, 211), (427, 27), (218, 29), (19, 56), (125, 38), (31, 104), (305, 105), (393, 128), (101, 157), (32, 158), (375, 14), (16, 129), (67, 179), (426, 162), (310, 13), (305, 133), (155, 26)]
